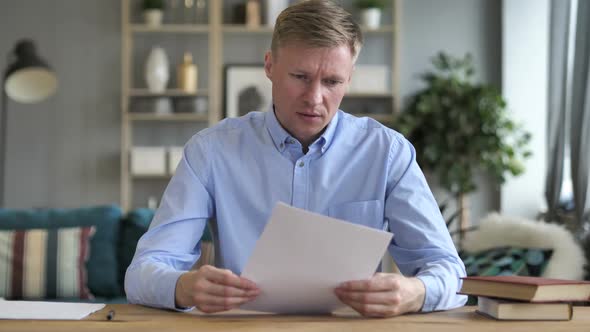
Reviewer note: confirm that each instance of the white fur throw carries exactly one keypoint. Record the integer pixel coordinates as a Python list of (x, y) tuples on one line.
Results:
[(567, 261)]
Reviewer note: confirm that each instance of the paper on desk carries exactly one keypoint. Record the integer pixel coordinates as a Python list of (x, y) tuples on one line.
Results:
[(46, 310), (302, 256)]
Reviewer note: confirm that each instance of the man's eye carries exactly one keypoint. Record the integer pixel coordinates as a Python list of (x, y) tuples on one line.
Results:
[(332, 82), (299, 76)]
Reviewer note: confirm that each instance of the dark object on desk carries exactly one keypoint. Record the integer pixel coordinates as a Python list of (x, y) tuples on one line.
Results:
[(111, 315)]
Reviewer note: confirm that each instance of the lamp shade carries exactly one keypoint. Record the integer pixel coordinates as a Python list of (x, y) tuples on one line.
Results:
[(28, 78)]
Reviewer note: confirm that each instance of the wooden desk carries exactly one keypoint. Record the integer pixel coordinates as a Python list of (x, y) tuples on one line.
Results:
[(136, 318)]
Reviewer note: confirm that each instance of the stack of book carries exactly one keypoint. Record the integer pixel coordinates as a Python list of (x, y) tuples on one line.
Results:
[(526, 298)]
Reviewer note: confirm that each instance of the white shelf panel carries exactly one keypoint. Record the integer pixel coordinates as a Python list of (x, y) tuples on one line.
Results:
[(381, 29)]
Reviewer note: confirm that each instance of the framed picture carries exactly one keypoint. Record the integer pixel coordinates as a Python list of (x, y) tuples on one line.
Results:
[(247, 89)]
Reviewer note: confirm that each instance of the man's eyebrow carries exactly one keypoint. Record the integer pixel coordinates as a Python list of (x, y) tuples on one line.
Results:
[(335, 77), (299, 70)]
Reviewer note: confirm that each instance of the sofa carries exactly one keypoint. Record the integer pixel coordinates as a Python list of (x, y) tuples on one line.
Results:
[(76, 254)]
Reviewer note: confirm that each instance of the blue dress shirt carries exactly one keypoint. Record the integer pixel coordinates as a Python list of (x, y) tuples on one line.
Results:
[(236, 171)]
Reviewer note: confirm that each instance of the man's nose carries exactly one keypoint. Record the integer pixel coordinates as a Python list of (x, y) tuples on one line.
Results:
[(313, 95)]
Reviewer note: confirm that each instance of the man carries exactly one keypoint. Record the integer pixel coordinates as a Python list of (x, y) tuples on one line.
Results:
[(305, 152)]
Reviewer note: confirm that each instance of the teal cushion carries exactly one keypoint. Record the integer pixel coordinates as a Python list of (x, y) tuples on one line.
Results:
[(505, 261), (133, 226), (102, 263)]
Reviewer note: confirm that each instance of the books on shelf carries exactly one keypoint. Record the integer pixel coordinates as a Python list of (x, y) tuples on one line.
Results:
[(531, 289), (502, 309)]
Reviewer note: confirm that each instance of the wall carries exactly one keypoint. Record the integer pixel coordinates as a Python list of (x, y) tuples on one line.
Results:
[(65, 151), (456, 27), (524, 84)]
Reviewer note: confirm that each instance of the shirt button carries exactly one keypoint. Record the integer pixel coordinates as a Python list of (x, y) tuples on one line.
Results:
[(301, 164)]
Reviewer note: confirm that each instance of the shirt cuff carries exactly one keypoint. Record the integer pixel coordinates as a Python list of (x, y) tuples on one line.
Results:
[(433, 292), (169, 291)]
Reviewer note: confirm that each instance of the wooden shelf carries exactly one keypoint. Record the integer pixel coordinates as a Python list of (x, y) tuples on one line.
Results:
[(172, 28), (241, 28), (264, 29), (151, 177), (167, 93), (168, 117)]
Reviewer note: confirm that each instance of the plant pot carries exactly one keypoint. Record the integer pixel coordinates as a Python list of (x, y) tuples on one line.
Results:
[(153, 17), (371, 18)]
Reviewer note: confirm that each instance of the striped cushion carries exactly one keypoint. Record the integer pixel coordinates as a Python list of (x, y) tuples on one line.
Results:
[(45, 263)]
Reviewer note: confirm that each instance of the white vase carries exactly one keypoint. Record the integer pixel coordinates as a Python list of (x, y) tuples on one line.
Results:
[(157, 72), (153, 17), (273, 9), (371, 18)]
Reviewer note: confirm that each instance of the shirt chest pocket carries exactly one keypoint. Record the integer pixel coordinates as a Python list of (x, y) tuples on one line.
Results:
[(367, 213)]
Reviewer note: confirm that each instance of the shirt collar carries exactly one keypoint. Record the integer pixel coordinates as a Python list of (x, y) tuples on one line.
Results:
[(277, 132), (280, 136), (329, 133)]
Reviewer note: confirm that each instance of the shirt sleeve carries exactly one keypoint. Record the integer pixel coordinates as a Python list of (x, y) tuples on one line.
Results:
[(171, 245), (421, 244)]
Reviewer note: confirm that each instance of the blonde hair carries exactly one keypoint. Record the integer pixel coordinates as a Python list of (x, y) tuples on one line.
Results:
[(317, 23)]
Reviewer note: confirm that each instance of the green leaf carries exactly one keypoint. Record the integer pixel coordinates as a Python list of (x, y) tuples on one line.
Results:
[(458, 126)]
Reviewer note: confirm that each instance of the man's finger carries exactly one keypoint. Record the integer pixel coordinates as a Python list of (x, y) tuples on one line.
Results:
[(385, 298), (219, 301), (228, 278), (371, 310), (375, 284), (223, 290)]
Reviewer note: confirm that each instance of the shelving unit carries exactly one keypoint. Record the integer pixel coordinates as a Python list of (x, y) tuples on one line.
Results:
[(217, 41), (171, 28)]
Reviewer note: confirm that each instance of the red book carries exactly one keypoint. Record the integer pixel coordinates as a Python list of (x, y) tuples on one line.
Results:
[(532, 289)]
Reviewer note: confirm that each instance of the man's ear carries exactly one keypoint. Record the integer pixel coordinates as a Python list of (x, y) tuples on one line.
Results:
[(268, 64)]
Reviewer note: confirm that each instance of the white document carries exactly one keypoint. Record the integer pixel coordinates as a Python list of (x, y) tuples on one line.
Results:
[(46, 310), (302, 256)]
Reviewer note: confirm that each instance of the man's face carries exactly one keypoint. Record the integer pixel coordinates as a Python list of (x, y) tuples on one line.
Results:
[(308, 84)]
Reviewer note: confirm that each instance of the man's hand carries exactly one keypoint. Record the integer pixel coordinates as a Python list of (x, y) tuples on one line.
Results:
[(212, 290), (384, 295)]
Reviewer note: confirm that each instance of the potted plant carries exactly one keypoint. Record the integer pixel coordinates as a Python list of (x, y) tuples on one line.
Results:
[(459, 127), (153, 11), (370, 12)]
